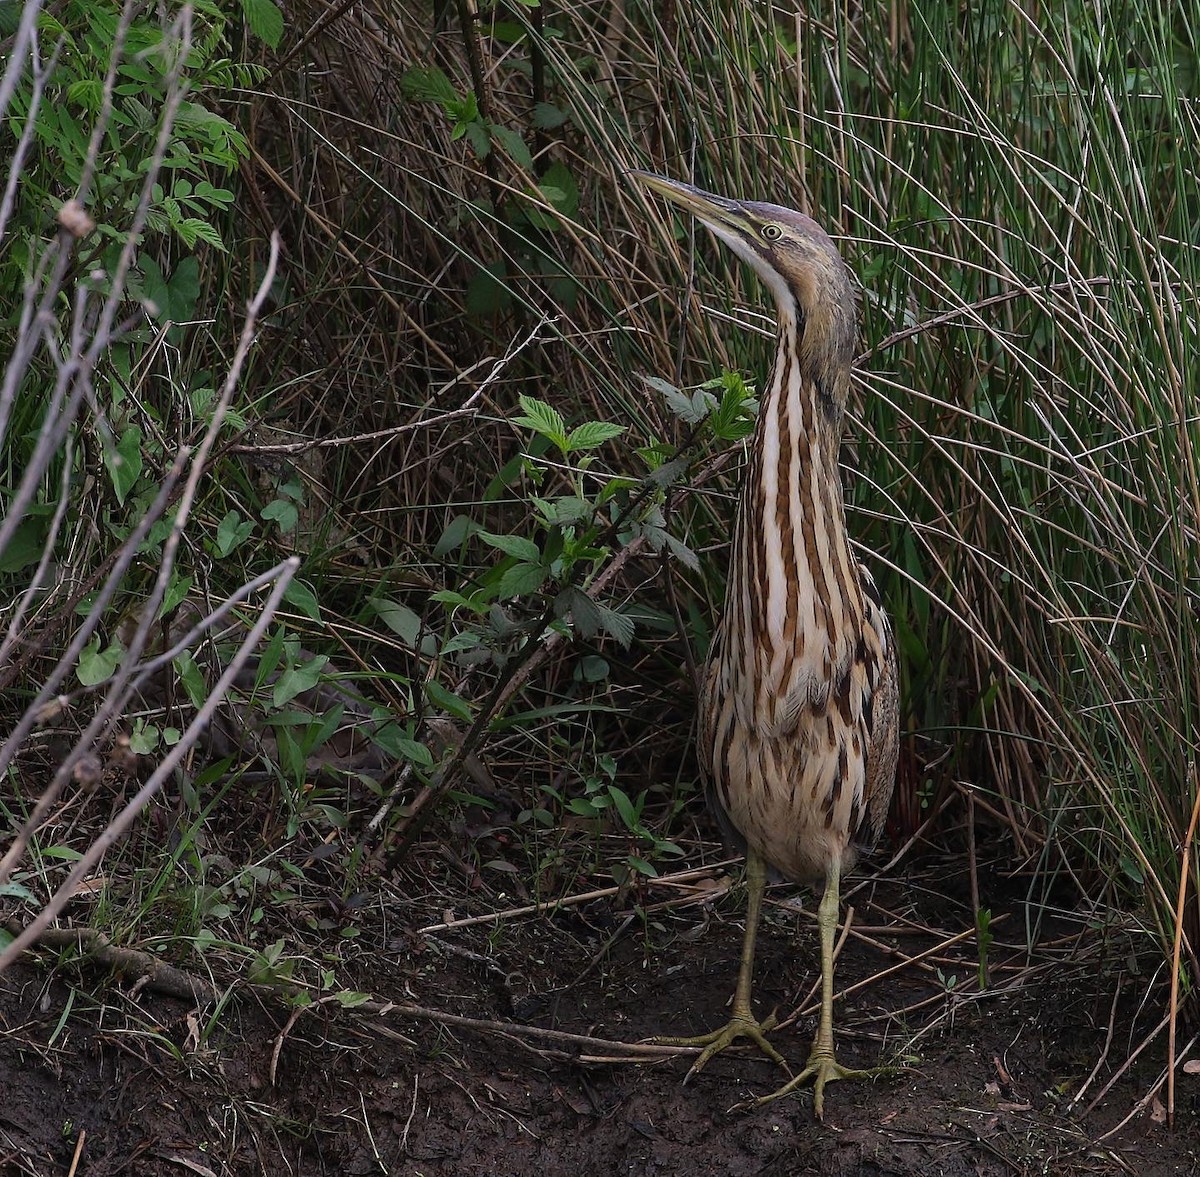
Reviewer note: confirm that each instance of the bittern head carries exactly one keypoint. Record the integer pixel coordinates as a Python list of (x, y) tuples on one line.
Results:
[(798, 262)]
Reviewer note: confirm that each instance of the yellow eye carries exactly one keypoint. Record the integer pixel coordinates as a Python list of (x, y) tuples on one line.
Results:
[(772, 232)]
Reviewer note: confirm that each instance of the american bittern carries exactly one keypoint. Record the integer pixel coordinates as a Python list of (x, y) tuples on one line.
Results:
[(798, 717)]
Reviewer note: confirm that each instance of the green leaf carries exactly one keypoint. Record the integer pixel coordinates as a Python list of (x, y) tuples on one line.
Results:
[(26, 545), (447, 701), (192, 229), (415, 752), (350, 999), (96, 665), (585, 614), (542, 419), (591, 434), (283, 513), (300, 596), (522, 579), (566, 199), (124, 462), (593, 668), (428, 84), (400, 619), (265, 20), (629, 812), (683, 553), (513, 545), (178, 587), (514, 145), (487, 293), (546, 117), (191, 678), (455, 535), (297, 679), (616, 624), (232, 531)]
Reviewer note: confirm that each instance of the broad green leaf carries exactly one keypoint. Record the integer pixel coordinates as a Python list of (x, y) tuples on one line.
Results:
[(541, 418), (96, 665), (416, 752), (522, 579), (265, 20), (616, 624), (232, 531), (513, 545), (447, 701), (400, 619), (283, 513), (455, 534), (297, 679), (300, 596), (546, 117), (514, 145), (591, 434)]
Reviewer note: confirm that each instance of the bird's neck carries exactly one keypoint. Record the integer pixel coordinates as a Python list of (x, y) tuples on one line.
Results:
[(795, 578)]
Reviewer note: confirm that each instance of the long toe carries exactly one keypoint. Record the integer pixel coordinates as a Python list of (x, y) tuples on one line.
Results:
[(820, 1070), (739, 1026)]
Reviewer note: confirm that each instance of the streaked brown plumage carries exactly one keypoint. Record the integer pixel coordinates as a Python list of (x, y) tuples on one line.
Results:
[(798, 716)]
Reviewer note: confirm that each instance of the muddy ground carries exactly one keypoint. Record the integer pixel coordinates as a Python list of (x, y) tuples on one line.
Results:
[(985, 1082)]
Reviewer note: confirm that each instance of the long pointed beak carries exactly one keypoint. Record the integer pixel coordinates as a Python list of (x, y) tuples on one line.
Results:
[(715, 211)]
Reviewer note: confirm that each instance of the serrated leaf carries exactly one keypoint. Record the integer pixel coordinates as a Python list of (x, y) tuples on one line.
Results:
[(683, 553), (192, 229), (513, 545), (591, 434), (265, 20), (514, 145), (522, 579), (685, 407), (427, 84), (541, 418), (584, 612), (546, 116), (616, 624)]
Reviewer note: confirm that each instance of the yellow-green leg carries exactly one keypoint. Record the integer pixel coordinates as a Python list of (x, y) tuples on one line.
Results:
[(742, 1023), (822, 1067)]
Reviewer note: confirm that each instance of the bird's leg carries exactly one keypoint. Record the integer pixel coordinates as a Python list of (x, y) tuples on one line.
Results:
[(742, 1023), (822, 1067)]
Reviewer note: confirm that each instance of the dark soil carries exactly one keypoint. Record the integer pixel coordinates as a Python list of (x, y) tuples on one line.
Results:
[(985, 1085)]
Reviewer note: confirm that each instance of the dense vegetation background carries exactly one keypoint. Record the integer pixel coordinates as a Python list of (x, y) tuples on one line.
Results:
[(494, 400)]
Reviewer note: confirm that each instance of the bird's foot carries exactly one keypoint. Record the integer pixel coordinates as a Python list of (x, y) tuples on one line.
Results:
[(742, 1024), (821, 1068)]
